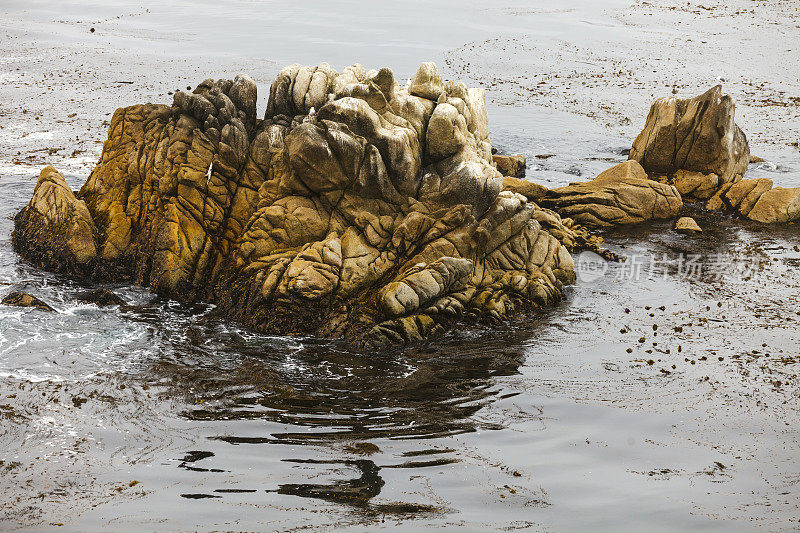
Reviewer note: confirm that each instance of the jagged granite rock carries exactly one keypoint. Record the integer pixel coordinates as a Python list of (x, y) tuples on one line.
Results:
[(617, 196), (23, 299), (355, 209), (697, 135)]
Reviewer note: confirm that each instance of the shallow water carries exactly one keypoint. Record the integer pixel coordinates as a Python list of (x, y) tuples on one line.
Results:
[(160, 416)]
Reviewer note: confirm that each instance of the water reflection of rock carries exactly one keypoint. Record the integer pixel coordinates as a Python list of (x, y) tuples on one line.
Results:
[(343, 395), (357, 491), (323, 395)]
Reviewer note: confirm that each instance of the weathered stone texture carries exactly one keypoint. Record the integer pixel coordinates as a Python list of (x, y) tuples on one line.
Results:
[(354, 209)]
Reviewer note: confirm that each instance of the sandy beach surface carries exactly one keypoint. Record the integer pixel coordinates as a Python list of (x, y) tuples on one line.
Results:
[(160, 418)]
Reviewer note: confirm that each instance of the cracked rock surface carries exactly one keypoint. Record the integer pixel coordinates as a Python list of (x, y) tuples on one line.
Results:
[(354, 209)]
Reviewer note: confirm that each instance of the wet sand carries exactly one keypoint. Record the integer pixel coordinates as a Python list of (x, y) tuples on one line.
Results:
[(159, 417)]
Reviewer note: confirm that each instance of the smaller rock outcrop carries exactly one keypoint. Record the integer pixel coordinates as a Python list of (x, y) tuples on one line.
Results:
[(757, 200), (696, 146), (743, 195), (620, 195), (23, 299), (697, 135), (777, 205), (687, 225), (100, 298), (510, 165), (55, 230)]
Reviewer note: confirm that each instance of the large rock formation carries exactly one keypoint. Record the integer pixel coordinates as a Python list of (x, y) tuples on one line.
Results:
[(355, 209), (693, 143)]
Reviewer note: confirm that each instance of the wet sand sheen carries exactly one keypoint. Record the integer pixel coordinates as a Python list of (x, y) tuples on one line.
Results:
[(544, 423)]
